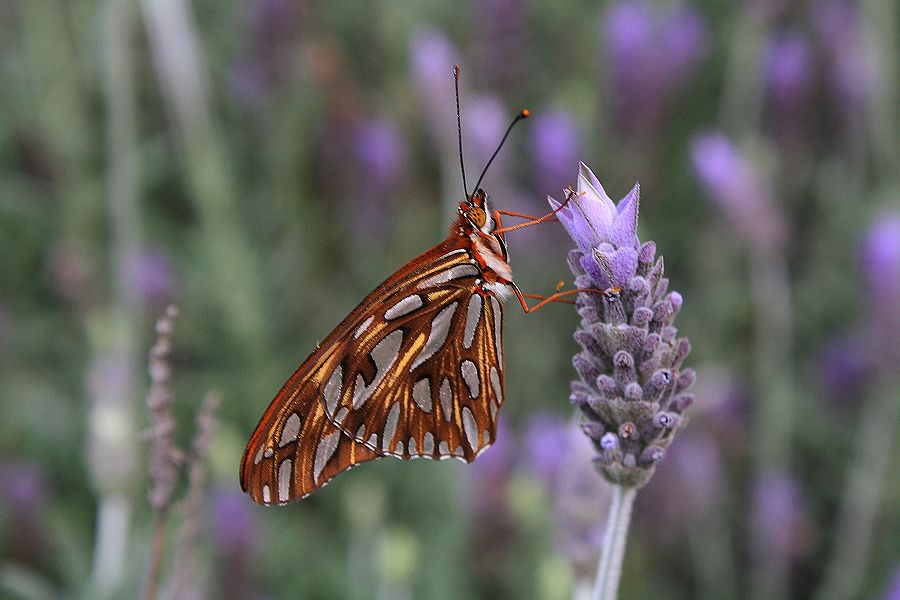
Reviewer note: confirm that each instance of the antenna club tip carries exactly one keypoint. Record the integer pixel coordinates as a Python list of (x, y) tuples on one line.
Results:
[(456, 70), (525, 113)]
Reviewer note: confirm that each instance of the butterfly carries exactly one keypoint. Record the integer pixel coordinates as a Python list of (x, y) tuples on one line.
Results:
[(414, 371)]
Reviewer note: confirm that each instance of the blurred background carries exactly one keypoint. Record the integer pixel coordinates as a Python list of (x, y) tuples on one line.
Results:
[(263, 164)]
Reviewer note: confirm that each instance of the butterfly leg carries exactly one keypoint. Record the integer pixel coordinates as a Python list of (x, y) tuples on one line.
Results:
[(545, 300)]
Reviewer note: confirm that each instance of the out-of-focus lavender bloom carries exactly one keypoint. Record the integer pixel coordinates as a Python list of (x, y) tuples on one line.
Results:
[(235, 535), (368, 159), (501, 41), (632, 389), (560, 456), (650, 56), (234, 524), (892, 592), (152, 276), (880, 265), (852, 69), (546, 440), (790, 79), (843, 367), (432, 55), (686, 489), (555, 146), (737, 191), (24, 495), (269, 28), (483, 126), (779, 519)]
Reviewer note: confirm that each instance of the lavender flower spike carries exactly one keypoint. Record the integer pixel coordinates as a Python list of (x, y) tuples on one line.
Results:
[(632, 389)]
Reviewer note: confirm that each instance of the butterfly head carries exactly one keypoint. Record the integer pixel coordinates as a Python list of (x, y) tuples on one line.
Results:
[(477, 212)]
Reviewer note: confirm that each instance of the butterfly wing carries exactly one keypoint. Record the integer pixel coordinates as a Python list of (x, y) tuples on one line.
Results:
[(365, 379)]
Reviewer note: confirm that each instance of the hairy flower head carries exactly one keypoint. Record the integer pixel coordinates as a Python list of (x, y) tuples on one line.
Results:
[(632, 389)]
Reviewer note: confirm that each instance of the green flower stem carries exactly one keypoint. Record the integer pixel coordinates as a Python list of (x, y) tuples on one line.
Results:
[(866, 478), (609, 571), (776, 391)]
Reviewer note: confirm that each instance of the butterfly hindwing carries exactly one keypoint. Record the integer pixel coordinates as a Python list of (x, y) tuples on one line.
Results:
[(429, 383)]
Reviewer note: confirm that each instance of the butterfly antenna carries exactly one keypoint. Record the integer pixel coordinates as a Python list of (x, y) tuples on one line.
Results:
[(462, 165), (524, 114)]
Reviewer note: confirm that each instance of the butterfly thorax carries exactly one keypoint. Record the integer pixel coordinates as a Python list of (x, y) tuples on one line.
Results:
[(476, 226)]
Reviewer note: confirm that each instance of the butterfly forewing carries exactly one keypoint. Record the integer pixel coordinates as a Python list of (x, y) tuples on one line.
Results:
[(414, 370)]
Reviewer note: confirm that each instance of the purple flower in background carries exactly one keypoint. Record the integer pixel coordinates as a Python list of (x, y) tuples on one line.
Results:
[(546, 441), (152, 276), (843, 366), (737, 191), (371, 159), (779, 520), (24, 497), (632, 389), (501, 41), (380, 153), (893, 587), (270, 29), (686, 489), (432, 56), (852, 69), (555, 145), (880, 266), (790, 80), (650, 55), (235, 535), (234, 524), (560, 456)]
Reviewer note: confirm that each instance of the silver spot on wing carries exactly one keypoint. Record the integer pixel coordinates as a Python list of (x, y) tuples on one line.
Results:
[(440, 326), (428, 444), (267, 494), (498, 392), (390, 426), (470, 376), (284, 479), (404, 307), (421, 393), (362, 328), (473, 315), (471, 428), (332, 391), (290, 431), (446, 398), (258, 456), (324, 451), (383, 355), (447, 275)]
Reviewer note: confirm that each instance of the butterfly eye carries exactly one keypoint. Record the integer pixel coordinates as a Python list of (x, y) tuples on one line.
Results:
[(477, 215)]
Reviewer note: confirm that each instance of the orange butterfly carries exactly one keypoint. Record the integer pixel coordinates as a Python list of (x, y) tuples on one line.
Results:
[(415, 371)]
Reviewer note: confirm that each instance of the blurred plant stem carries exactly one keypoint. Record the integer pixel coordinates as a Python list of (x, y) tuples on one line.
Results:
[(776, 393), (882, 32), (741, 112), (57, 97), (866, 477), (112, 418), (711, 547), (743, 91), (615, 537), (184, 78)]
